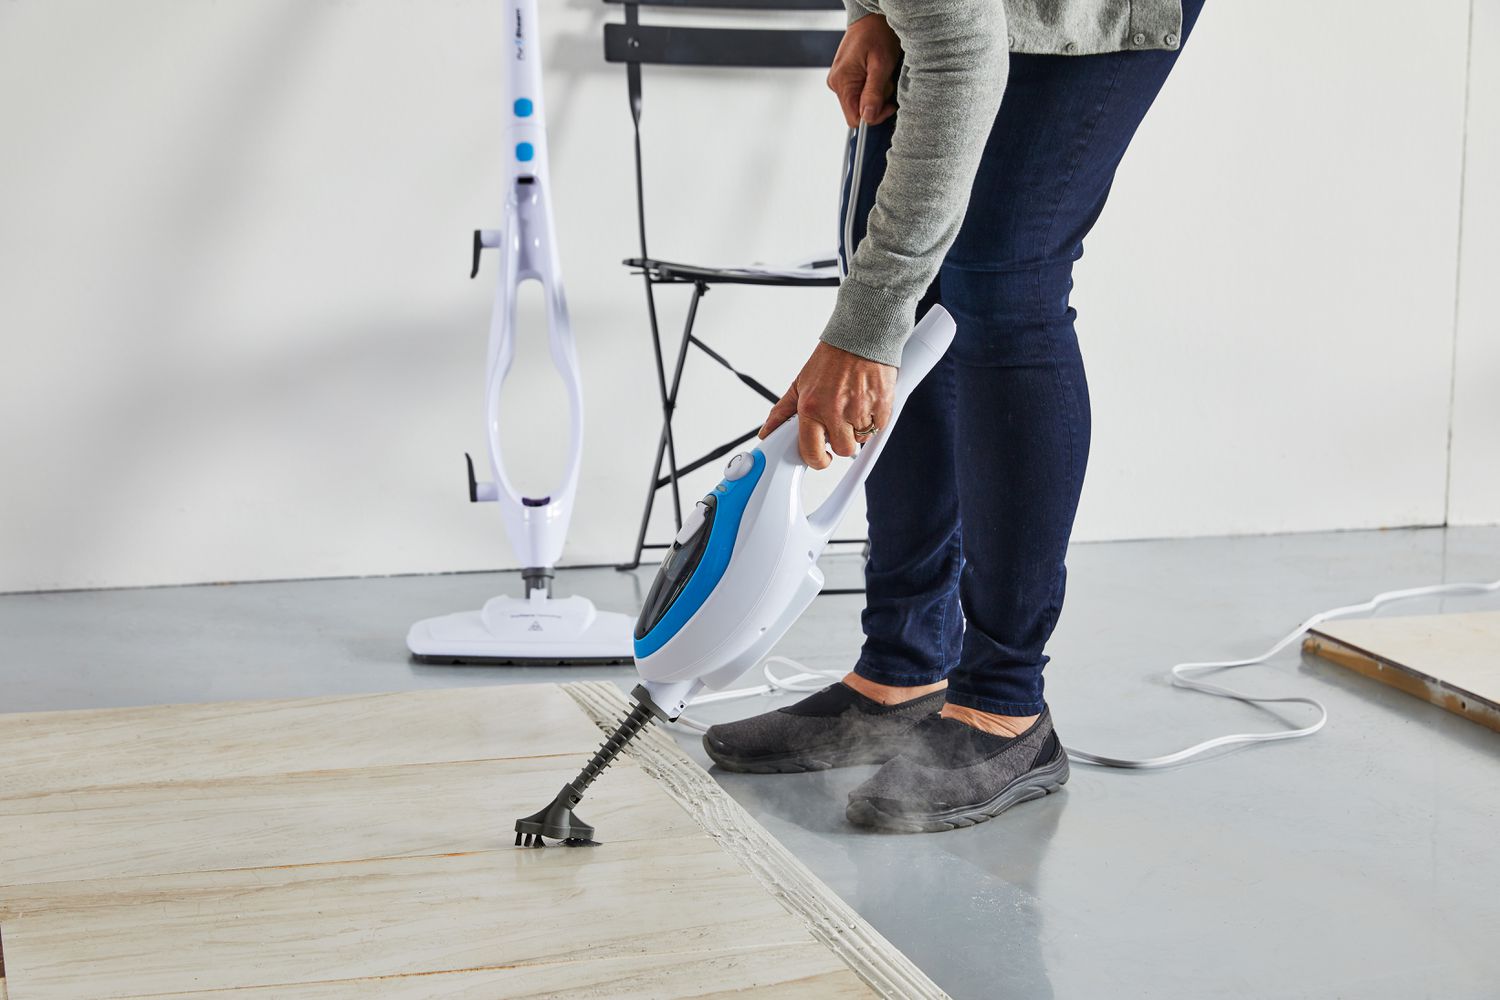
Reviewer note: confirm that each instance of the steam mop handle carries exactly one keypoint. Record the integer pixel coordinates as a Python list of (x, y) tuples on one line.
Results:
[(925, 348)]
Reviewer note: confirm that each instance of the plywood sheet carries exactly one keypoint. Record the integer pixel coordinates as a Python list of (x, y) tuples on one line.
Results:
[(1452, 661), (342, 847), (769, 973), (273, 821), (48, 751), (366, 919)]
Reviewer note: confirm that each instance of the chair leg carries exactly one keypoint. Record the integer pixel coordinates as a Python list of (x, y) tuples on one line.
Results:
[(699, 290), (651, 488), (750, 381), (666, 444), (668, 396)]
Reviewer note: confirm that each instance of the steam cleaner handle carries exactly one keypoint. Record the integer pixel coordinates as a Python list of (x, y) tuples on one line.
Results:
[(925, 348)]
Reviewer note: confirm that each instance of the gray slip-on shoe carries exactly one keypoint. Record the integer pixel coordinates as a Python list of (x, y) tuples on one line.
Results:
[(951, 775), (834, 727)]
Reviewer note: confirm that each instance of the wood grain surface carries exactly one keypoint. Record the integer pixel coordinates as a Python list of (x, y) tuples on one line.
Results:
[(55, 751), (772, 972), (362, 846)]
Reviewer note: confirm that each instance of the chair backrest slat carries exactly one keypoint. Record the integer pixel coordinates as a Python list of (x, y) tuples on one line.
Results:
[(671, 45)]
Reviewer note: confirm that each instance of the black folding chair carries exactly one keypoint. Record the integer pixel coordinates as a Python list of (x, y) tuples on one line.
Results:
[(636, 44)]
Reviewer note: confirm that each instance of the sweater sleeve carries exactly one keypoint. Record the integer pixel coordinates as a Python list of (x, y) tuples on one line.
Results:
[(951, 82), (855, 9)]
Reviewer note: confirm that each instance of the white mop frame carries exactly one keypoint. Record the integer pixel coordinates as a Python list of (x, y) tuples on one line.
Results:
[(538, 626), (536, 527)]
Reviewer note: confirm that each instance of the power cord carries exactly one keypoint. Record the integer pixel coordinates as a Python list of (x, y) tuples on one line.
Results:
[(806, 681), (1182, 675)]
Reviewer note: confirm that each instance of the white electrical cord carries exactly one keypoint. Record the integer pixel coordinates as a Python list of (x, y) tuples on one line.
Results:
[(805, 682), (808, 680)]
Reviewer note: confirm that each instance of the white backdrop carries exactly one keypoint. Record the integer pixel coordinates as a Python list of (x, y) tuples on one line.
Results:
[(1475, 483), (237, 340)]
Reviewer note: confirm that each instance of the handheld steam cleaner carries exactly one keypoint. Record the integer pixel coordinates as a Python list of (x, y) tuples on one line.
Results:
[(742, 569)]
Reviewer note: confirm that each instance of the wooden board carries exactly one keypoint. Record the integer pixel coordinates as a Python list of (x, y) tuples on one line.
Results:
[(274, 821), (362, 847), (270, 927), (789, 971), (1452, 661), (129, 746)]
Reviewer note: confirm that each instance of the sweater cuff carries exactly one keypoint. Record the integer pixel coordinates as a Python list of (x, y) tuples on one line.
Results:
[(855, 10), (870, 322)]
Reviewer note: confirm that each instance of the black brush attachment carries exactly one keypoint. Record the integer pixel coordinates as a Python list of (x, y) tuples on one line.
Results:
[(557, 821)]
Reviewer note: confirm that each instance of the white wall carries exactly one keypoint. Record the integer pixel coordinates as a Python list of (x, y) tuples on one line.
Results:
[(1474, 496), (239, 342)]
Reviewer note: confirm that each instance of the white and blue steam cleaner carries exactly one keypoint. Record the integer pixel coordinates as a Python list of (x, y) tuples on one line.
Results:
[(536, 627), (743, 568)]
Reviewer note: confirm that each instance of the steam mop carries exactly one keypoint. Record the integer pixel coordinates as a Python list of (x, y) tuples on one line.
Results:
[(742, 569), (536, 627)]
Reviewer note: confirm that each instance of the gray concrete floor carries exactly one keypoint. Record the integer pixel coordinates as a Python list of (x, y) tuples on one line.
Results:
[(1360, 863)]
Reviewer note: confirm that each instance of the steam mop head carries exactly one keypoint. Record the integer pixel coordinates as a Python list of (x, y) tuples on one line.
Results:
[(557, 820)]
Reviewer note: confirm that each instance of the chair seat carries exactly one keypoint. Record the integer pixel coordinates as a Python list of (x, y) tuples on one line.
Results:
[(820, 273)]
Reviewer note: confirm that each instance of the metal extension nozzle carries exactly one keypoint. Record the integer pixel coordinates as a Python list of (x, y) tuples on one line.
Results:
[(557, 820)]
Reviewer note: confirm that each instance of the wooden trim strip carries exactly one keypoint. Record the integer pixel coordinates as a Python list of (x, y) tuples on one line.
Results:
[(1434, 690), (874, 959)]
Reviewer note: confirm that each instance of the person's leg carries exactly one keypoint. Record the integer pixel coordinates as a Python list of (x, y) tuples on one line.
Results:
[(990, 418), (1021, 433), (1022, 399), (912, 622)]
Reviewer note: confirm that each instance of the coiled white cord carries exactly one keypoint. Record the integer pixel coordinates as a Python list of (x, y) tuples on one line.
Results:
[(808, 680)]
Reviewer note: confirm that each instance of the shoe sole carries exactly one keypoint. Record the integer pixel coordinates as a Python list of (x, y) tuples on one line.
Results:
[(798, 763), (1034, 784)]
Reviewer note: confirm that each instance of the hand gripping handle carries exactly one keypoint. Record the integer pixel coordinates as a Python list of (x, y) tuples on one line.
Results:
[(928, 342)]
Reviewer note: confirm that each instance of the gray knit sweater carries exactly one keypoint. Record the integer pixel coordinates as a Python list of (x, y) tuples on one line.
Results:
[(949, 90)]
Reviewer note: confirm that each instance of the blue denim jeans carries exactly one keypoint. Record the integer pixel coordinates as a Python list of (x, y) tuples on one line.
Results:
[(972, 502)]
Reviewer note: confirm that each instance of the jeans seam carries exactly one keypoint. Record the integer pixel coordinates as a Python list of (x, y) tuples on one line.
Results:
[(891, 678), (1063, 393), (951, 395), (1034, 264), (993, 706), (942, 643), (1078, 151)]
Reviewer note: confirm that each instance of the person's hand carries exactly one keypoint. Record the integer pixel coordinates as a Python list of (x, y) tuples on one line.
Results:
[(840, 399), (863, 74)]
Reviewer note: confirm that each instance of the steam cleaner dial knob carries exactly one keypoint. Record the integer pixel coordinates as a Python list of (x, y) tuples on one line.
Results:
[(739, 466)]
